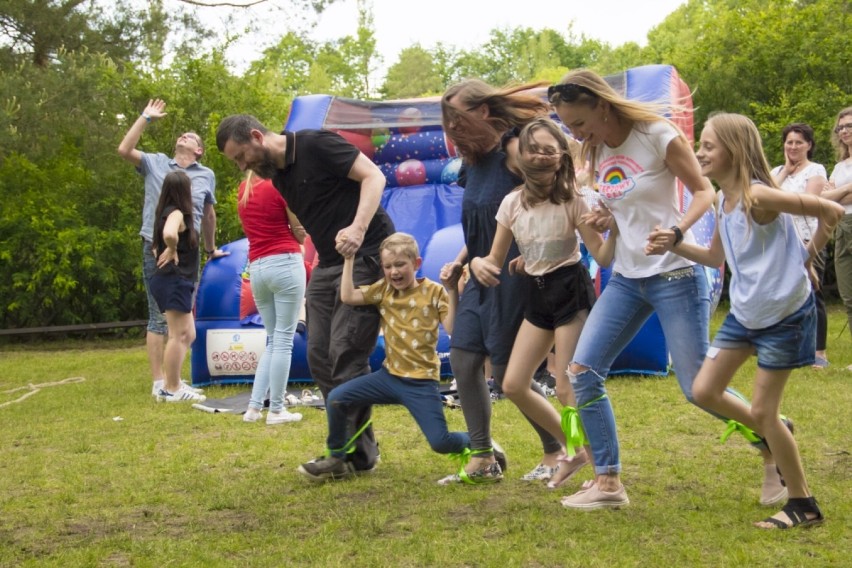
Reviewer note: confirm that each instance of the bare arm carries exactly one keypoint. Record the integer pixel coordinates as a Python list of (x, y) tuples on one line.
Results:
[(682, 162), (372, 182), (349, 294), (603, 251), (172, 229), (208, 232), (296, 227), (712, 256), (487, 269), (454, 269), (127, 147), (453, 302)]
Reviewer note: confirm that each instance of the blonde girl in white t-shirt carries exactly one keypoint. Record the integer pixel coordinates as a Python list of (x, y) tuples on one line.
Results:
[(637, 156), (543, 216)]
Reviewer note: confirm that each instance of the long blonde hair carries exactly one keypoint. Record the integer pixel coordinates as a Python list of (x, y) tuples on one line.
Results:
[(508, 107), (739, 138), (248, 188), (593, 89)]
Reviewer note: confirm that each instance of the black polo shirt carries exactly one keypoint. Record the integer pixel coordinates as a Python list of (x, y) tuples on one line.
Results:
[(316, 188)]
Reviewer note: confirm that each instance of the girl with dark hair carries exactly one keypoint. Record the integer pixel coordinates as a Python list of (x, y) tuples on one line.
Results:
[(481, 121), (800, 175), (173, 284)]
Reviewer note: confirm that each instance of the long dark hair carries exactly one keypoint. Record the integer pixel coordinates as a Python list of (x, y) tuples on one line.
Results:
[(177, 193)]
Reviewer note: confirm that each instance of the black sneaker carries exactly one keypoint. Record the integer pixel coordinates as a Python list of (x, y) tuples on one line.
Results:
[(325, 468)]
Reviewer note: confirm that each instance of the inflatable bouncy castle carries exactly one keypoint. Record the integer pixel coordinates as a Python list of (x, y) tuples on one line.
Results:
[(405, 139)]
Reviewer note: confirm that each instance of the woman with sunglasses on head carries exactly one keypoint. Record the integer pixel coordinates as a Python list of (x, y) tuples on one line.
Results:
[(839, 189), (637, 155), (481, 121), (800, 175)]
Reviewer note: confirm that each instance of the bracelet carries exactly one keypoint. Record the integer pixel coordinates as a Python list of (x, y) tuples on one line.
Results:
[(147, 117), (678, 234)]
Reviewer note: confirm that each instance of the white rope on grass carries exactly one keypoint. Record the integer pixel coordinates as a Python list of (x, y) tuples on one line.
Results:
[(34, 389)]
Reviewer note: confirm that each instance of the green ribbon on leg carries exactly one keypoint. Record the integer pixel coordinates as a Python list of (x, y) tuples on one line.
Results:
[(349, 446), (734, 426), (572, 427)]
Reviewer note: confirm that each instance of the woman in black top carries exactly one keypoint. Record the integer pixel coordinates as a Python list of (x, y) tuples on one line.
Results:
[(172, 285)]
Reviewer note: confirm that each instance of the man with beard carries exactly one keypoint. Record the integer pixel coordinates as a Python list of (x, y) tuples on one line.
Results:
[(335, 191), (153, 167)]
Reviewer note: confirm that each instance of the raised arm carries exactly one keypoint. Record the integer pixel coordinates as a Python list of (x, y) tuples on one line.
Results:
[(349, 294), (127, 147)]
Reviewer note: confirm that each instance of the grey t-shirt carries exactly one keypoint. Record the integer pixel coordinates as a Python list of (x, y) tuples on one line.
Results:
[(154, 168)]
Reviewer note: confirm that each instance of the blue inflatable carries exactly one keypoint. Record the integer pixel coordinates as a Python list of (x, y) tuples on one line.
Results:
[(406, 141)]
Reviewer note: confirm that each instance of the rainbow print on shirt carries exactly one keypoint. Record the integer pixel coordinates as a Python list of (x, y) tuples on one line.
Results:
[(616, 177)]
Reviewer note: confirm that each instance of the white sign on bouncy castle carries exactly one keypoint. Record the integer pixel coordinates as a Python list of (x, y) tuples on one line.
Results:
[(231, 352)]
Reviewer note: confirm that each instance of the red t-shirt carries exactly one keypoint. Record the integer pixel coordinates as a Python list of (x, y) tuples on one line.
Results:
[(265, 221)]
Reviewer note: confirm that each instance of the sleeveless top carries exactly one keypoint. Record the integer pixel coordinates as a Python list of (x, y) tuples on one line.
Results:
[(768, 277)]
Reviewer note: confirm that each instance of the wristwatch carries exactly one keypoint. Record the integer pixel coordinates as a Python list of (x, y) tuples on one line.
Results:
[(678, 234)]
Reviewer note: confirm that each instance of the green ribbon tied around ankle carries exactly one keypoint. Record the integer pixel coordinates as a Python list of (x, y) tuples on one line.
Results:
[(572, 427), (734, 426), (461, 458), (349, 446)]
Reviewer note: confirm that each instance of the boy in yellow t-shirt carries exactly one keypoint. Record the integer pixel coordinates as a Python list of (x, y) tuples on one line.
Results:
[(411, 309)]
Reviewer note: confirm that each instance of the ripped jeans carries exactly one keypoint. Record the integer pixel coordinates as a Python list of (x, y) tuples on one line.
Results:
[(681, 300)]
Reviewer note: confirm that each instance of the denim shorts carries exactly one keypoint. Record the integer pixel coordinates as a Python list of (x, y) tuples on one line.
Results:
[(788, 344), (555, 298)]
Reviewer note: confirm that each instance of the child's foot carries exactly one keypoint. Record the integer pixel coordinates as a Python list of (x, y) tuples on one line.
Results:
[(568, 467), (798, 512)]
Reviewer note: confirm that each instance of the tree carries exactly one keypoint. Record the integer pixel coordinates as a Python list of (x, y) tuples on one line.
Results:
[(415, 74)]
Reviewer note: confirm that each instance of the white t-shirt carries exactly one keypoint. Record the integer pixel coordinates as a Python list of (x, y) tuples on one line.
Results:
[(545, 232), (798, 183), (637, 186), (841, 175)]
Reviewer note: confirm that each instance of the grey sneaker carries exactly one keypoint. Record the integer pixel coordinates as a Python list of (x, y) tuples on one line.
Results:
[(491, 473), (325, 468), (593, 498)]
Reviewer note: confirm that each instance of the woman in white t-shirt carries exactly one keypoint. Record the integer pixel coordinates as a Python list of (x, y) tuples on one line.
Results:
[(800, 175), (543, 215), (839, 189), (637, 156)]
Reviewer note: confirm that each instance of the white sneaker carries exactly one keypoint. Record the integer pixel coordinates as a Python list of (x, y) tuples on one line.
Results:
[(182, 395), (159, 384), (252, 415), (282, 417)]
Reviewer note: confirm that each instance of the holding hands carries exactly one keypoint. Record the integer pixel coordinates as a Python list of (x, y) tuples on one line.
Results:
[(349, 240), (660, 241), (450, 274), (486, 273)]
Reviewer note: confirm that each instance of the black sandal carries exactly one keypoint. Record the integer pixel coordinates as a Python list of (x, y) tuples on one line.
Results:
[(797, 510)]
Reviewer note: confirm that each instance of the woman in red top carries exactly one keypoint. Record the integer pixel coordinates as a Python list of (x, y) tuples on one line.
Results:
[(277, 273)]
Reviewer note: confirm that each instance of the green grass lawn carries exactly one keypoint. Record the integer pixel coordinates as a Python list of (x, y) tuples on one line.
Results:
[(95, 473)]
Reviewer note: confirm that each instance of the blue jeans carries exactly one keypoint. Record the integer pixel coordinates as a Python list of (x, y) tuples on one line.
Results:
[(419, 396), (278, 287), (156, 319), (682, 302)]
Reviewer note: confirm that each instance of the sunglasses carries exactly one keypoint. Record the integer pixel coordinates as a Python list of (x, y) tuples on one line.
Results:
[(568, 92)]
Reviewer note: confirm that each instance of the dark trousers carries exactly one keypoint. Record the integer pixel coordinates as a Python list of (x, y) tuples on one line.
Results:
[(340, 341)]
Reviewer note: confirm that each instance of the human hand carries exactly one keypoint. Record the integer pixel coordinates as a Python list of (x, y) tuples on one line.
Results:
[(660, 241), (486, 273), (517, 265), (155, 109), (169, 255), (217, 253), (348, 240), (451, 273), (600, 219)]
